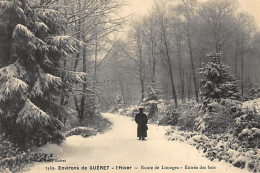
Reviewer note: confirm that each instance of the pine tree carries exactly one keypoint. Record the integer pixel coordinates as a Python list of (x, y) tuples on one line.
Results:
[(153, 92), (217, 83), (152, 99), (31, 76), (220, 92)]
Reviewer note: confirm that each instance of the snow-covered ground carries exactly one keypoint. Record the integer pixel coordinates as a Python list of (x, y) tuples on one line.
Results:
[(120, 147)]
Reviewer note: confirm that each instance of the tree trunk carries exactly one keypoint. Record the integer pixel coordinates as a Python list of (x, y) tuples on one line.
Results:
[(96, 54), (142, 87), (193, 70), (63, 99), (189, 82), (141, 65), (153, 62), (236, 57), (173, 87), (188, 18), (121, 85), (153, 73), (169, 66), (242, 68), (180, 72)]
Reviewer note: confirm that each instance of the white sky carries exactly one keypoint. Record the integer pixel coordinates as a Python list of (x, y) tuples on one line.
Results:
[(140, 7), (253, 7)]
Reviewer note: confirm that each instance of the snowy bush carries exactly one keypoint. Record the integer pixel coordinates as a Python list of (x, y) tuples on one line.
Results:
[(120, 104), (83, 131), (220, 147), (217, 117), (188, 114), (17, 162), (253, 93), (13, 159), (247, 129), (183, 117), (130, 111), (253, 105), (92, 125)]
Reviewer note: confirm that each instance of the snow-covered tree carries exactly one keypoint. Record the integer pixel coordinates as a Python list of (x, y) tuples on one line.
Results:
[(31, 76), (217, 83), (152, 98), (219, 94), (152, 92)]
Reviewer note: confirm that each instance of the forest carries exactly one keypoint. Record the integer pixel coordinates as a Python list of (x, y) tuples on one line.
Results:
[(64, 62)]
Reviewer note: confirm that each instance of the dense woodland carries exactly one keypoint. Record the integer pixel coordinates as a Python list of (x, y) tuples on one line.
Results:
[(67, 60), (168, 46)]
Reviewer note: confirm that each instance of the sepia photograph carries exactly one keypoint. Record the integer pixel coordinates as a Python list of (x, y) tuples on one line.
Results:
[(129, 86)]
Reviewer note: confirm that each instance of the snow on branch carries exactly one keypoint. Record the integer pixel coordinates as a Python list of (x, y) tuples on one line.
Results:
[(65, 43), (78, 77), (40, 26), (8, 4), (20, 12), (50, 79), (37, 89), (10, 81), (15, 84), (10, 86), (41, 44), (31, 114), (33, 42), (22, 30), (45, 13), (12, 70)]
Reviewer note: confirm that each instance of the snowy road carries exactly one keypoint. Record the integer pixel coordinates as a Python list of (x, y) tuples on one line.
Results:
[(118, 150)]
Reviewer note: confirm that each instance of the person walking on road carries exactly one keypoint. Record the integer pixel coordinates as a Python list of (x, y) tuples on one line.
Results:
[(141, 120)]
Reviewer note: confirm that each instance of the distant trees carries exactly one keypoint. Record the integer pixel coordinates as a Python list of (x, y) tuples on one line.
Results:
[(134, 51), (219, 16), (165, 45), (178, 37), (187, 9), (171, 42), (91, 22), (246, 27)]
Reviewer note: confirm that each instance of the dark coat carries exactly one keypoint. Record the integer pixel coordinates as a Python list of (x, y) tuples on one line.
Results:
[(141, 119)]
